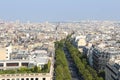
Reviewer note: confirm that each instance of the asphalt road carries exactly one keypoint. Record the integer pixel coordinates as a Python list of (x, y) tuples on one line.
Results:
[(73, 69)]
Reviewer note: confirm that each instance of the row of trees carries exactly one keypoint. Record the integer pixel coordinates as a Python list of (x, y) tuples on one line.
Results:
[(34, 69), (84, 69), (61, 65)]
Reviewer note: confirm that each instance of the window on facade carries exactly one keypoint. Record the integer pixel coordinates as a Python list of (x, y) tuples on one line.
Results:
[(17, 79), (32, 79), (106, 56), (8, 79), (3, 79), (24, 64), (27, 78), (102, 68), (12, 64), (13, 79), (1, 64), (36, 78), (22, 79), (44, 79)]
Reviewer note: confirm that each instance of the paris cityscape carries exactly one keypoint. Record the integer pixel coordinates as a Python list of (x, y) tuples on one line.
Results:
[(57, 48)]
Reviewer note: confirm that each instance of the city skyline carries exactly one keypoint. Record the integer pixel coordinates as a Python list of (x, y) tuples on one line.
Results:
[(45, 10)]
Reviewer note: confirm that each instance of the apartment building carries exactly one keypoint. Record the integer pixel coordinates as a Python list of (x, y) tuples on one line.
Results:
[(112, 71), (102, 56), (22, 58), (5, 52), (3, 55)]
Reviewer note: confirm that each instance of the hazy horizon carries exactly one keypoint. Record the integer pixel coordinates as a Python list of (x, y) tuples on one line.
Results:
[(59, 10)]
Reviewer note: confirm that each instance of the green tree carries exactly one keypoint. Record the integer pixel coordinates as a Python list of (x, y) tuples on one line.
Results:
[(81, 62)]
